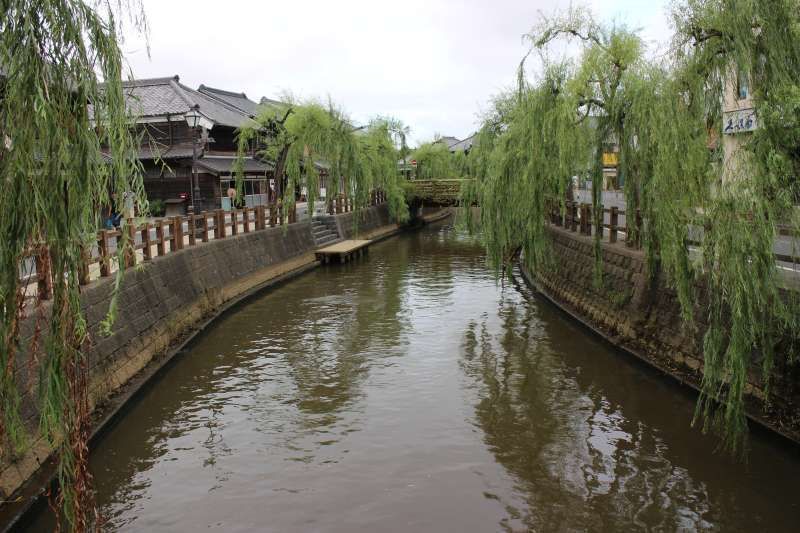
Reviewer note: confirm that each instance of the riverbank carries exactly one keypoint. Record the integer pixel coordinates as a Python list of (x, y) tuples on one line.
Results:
[(161, 307), (641, 316)]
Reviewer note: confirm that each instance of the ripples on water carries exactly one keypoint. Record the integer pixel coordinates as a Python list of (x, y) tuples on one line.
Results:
[(412, 392)]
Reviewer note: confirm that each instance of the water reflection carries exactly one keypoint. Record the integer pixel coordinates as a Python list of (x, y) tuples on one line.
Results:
[(596, 442), (411, 392)]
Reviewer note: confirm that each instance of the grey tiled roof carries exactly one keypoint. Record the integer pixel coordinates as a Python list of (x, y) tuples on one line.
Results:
[(238, 100), (464, 145), (156, 97), (224, 165), (270, 102), (448, 141), (175, 151)]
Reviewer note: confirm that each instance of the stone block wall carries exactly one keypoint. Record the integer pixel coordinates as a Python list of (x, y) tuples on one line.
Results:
[(354, 224), (641, 314)]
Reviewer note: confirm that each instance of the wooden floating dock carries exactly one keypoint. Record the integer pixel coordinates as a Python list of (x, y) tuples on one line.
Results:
[(342, 252)]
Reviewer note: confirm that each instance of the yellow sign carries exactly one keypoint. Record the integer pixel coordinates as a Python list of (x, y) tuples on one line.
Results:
[(610, 159)]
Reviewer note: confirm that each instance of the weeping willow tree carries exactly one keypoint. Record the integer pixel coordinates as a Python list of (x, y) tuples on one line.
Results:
[(693, 178), (380, 145), (553, 130), (307, 139), (399, 132), (66, 146), (680, 170), (751, 186), (434, 161)]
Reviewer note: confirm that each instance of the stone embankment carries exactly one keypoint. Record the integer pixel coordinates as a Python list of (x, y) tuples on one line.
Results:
[(161, 305), (641, 314)]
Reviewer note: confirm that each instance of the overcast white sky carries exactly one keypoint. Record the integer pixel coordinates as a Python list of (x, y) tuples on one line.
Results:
[(431, 63)]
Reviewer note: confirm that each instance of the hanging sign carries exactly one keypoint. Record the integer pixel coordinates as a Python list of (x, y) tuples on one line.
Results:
[(739, 121), (610, 159)]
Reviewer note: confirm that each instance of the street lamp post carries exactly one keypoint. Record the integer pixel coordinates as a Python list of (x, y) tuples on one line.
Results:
[(192, 120)]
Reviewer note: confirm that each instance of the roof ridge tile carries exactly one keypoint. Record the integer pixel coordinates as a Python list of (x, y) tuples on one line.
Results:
[(181, 90), (204, 88), (142, 82)]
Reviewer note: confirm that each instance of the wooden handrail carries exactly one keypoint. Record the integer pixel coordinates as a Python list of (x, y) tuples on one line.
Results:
[(148, 240)]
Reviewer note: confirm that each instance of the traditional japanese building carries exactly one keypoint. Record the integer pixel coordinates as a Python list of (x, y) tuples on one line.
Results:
[(465, 145), (178, 125), (448, 141)]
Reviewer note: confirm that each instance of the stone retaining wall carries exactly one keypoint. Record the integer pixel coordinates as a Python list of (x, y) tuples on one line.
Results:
[(162, 302), (354, 224), (641, 314)]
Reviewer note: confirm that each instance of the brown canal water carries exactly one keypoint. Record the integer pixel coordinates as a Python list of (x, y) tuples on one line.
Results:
[(411, 392)]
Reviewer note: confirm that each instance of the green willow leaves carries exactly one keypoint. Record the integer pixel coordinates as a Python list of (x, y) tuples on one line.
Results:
[(690, 180), (309, 140), (66, 146)]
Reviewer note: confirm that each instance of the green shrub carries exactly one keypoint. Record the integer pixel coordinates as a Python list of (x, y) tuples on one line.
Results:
[(158, 208)]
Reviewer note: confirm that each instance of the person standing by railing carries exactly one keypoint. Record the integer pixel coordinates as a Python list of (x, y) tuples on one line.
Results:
[(128, 204), (114, 216)]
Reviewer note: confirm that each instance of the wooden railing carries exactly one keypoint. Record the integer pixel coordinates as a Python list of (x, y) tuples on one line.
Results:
[(141, 243), (340, 203), (579, 217)]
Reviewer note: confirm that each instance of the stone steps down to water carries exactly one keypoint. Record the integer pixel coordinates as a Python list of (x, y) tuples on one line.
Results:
[(324, 231)]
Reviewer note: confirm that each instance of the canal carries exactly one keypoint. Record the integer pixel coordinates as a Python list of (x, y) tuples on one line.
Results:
[(410, 391)]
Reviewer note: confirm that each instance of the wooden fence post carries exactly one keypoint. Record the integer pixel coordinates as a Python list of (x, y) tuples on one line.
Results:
[(102, 248), (130, 246), (204, 226), (219, 224), (585, 216), (192, 229), (246, 221), (639, 229), (601, 220), (612, 235), (147, 253), (83, 273), (44, 281), (573, 216), (177, 233), (160, 244), (234, 222)]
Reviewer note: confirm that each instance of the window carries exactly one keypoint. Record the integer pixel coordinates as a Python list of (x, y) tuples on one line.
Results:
[(742, 84)]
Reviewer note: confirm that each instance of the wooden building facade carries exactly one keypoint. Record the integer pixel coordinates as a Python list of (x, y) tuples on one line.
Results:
[(167, 143)]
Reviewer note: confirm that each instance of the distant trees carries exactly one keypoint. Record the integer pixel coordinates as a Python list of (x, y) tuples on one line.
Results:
[(302, 139), (434, 161)]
